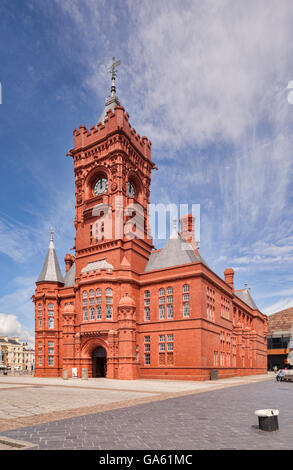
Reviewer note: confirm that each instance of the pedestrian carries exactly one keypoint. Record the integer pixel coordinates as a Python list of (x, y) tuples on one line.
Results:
[(280, 375)]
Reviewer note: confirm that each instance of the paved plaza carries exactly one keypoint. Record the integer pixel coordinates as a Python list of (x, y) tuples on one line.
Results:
[(107, 414)]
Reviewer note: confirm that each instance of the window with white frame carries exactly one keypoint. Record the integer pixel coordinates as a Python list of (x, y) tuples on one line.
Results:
[(85, 313), (170, 311), (92, 313), (109, 296), (210, 304), (40, 353), (109, 312), (50, 315), (50, 353), (147, 314), (40, 315), (147, 349), (99, 312), (185, 300), (92, 297), (85, 298), (186, 310), (162, 312), (99, 296)]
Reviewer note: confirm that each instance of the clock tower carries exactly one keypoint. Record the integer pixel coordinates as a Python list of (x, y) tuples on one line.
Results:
[(112, 166)]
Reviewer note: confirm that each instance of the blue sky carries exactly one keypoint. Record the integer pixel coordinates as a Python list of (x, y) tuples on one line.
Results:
[(206, 81)]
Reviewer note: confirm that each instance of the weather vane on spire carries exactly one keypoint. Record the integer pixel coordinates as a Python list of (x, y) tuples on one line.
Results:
[(113, 72)]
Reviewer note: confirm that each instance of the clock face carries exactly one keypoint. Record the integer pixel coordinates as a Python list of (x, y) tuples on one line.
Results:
[(131, 190), (101, 186)]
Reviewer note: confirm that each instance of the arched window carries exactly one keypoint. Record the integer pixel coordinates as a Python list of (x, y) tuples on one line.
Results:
[(51, 310), (109, 312), (169, 290), (92, 297), (84, 298), (40, 315), (186, 288), (92, 313), (99, 296), (109, 296), (50, 316), (161, 292), (147, 294)]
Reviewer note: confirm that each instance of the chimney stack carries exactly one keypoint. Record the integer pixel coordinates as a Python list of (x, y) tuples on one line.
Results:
[(69, 260), (187, 227), (229, 277)]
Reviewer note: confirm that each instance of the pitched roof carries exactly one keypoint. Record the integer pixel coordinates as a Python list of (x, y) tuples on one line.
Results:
[(280, 321), (51, 270), (69, 279), (176, 252), (245, 296)]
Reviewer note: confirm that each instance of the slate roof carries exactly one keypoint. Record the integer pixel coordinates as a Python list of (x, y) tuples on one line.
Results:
[(51, 270), (245, 296), (111, 103), (69, 279), (176, 252)]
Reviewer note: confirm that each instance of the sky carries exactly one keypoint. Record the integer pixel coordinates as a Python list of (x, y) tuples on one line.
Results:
[(211, 85)]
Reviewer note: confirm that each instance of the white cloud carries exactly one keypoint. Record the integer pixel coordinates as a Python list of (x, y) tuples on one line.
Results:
[(9, 325), (282, 304)]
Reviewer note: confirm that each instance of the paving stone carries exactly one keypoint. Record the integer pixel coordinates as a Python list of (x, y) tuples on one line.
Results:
[(220, 419)]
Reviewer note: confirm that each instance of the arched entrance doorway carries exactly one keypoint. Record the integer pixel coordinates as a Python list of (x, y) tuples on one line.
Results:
[(99, 362)]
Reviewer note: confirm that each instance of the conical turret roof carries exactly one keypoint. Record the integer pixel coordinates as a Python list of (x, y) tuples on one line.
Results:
[(51, 271)]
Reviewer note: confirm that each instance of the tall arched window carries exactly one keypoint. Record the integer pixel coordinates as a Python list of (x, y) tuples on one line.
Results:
[(92, 297), (40, 315), (50, 315), (99, 296)]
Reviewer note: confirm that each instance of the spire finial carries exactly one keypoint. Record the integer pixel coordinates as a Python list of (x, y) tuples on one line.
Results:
[(174, 233), (51, 234), (113, 74)]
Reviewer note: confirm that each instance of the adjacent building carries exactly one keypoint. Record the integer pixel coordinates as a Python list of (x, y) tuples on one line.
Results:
[(280, 333), (15, 354), (124, 309)]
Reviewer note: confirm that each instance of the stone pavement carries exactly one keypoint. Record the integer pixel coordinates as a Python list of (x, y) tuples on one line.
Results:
[(29, 400), (145, 414)]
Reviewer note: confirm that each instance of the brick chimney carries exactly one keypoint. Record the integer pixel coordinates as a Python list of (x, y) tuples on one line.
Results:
[(69, 260), (187, 227), (229, 277)]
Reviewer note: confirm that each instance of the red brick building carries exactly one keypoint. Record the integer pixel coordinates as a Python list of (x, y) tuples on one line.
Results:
[(124, 310)]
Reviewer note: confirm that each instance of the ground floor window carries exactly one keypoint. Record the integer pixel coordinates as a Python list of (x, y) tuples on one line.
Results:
[(147, 349)]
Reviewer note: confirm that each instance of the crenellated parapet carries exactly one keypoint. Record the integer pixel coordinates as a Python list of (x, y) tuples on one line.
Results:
[(105, 135)]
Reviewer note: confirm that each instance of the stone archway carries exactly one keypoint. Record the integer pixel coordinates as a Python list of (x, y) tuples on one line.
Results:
[(99, 362)]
